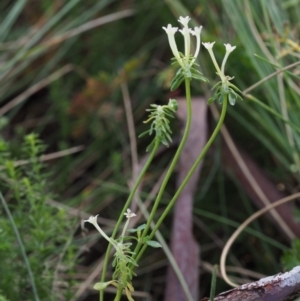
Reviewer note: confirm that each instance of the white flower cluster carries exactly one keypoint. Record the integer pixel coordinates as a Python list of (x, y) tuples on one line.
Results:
[(229, 49), (186, 31), (93, 220), (185, 61)]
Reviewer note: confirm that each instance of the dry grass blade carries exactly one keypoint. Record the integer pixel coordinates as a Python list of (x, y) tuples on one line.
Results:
[(88, 26), (258, 190), (243, 226), (52, 156), (33, 89)]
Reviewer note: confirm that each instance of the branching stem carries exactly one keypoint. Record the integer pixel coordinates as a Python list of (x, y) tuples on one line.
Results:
[(130, 197), (187, 178), (172, 166)]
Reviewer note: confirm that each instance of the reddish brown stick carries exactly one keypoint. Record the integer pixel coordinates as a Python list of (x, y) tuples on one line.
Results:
[(183, 245)]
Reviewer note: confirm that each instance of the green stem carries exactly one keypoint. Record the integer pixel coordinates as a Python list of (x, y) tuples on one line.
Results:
[(119, 294), (130, 197), (124, 229), (172, 166), (213, 283), (188, 176), (22, 248)]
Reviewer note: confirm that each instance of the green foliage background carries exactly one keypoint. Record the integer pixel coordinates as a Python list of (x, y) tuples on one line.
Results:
[(84, 106)]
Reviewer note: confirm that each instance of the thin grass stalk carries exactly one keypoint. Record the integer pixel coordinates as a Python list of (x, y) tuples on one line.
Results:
[(24, 50), (11, 17)]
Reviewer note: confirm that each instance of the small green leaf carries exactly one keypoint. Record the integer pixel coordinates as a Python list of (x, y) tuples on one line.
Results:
[(239, 97), (198, 75), (235, 87), (232, 98), (176, 82), (216, 85), (151, 145), (99, 286), (139, 228), (153, 244), (210, 100), (144, 134)]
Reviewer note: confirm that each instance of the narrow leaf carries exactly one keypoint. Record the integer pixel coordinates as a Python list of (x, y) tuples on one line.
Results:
[(99, 286), (232, 98), (210, 100), (153, 244)]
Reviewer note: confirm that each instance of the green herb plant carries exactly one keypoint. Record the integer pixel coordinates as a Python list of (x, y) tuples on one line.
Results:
[(35, 237), (127, 255)]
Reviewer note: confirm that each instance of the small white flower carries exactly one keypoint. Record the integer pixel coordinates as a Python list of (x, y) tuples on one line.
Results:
[(186, 34), (184, 61), (229, 48), (170, 32), (184, 20), (185, 31), (196, 32), (129, 214), (208, 45), (92, 220), (187, 41)]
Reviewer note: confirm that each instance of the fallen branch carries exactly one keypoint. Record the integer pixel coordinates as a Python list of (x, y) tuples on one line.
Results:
[(280, 287)]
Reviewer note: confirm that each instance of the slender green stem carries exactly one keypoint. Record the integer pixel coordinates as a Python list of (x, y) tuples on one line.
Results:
[(213, 283), (119, 294), (169, 255), (187, 178), (130, 197), (124, 229), (22, 248), (172, 166)]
